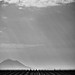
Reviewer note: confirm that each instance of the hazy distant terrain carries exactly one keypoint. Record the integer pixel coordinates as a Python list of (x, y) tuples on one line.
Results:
[(9, 64)]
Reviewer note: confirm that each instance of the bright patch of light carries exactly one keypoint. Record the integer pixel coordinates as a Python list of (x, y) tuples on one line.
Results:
[(38, 3)]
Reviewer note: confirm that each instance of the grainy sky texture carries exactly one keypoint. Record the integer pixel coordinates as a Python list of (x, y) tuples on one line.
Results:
[(43, 38)]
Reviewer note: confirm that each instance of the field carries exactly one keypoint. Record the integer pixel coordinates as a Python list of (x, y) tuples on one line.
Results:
[(37, 72)]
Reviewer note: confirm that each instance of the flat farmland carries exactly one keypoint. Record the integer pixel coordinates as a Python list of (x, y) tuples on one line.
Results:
[(37, 72)]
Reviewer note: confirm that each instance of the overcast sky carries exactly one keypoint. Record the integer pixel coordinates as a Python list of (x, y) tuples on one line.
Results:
[(39, 38)]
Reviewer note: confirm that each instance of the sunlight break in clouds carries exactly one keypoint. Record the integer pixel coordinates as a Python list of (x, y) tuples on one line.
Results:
[(38, 3)]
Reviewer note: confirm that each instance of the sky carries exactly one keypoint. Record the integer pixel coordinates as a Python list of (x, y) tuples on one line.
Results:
[(39, 38)]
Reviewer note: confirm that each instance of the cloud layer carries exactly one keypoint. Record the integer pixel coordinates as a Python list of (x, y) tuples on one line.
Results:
[(38, 3)]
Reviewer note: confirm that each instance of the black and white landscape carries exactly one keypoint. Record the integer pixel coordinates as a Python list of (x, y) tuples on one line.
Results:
[(42, 38)]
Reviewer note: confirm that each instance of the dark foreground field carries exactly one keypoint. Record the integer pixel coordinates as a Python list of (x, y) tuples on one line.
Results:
[(37, 72)]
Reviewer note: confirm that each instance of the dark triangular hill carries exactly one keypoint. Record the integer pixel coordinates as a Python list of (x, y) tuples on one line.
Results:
[(12, 64)]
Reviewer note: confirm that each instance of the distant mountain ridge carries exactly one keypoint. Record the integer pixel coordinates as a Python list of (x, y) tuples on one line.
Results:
[(12, 64)]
